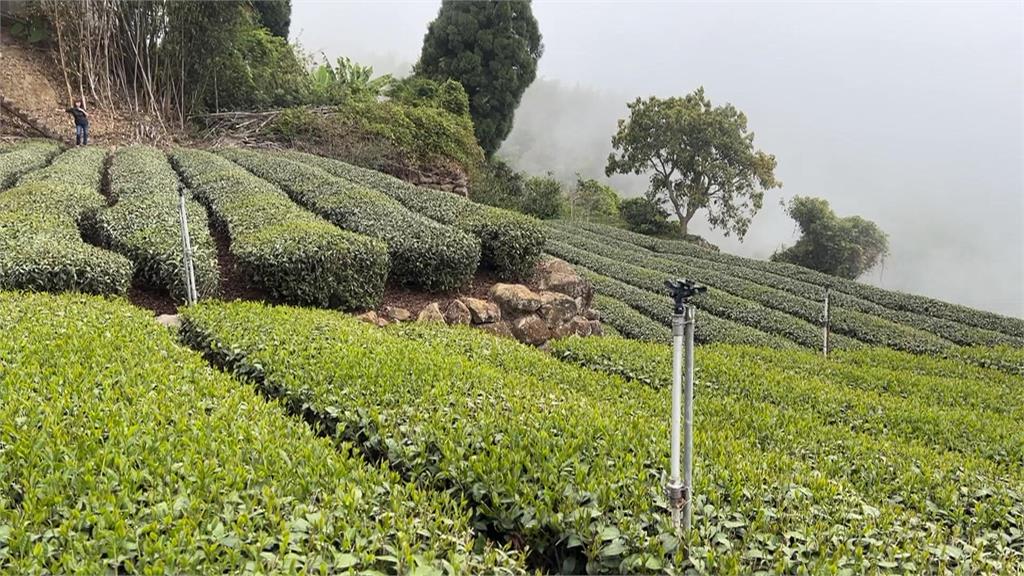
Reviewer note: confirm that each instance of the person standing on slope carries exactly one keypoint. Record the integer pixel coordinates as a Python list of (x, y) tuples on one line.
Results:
[(81, 123)]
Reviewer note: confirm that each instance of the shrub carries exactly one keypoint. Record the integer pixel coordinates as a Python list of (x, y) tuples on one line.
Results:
[(717, 302), (628, 322), (863, 327), (550, 456), (510, 243), (24, 157), (423, 253), (897, 301), (123, 452), (144, 224), (40, 245), (644, 217), (292, 254)]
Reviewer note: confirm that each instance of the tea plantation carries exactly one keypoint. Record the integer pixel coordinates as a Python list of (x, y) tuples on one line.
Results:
[(288, 437)]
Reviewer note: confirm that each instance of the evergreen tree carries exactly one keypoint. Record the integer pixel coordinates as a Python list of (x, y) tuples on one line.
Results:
[(491, 47)]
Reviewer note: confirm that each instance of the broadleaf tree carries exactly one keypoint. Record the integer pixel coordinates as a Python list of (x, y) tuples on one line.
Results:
[(845, 247), (698, 157), (491, 47)]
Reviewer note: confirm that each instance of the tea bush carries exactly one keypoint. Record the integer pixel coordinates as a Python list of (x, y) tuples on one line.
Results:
[(423, 253), (123, 452), (144, 224), (292, 254), (510, 243), (23, 157), (41, 247)]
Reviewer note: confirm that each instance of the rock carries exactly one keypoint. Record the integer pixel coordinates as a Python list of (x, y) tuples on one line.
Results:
[(497, 328), (531, 329), (591, 314), (399, 314), (368, 317), (578, 326), (595, 328), (482, 311), (558, 276), (169, 320), (556, 309), (515, 299), (432, 313), (457, 313)]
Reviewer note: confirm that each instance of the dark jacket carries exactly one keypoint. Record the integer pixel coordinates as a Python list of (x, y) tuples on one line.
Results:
[(81, 118)]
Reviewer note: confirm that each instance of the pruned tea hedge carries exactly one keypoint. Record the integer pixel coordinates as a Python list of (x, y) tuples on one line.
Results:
[(122, 452), (423, 253), (144, 224), (510, 243), (290, 253), (25, 157), (41, 247)]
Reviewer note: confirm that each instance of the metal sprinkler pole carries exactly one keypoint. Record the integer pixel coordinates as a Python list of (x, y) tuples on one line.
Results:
[(188, 270), (826, 319), (679, 489)]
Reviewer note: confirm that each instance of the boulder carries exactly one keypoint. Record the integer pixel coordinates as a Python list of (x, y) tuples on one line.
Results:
[(531, 329), (578, 326), (556, 309), (515, 299), (482, 311), (368, 317), (431, 313), (497, 328), (398, 314), (457, 313), (169, 320), (556, 275), (591, 314), (595, 328)]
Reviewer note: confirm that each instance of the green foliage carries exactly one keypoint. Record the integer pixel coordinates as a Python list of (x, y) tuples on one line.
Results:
[(280, 248), (275, 15), (845, 247), (491, 48), (720, 303), (41, 248), (124, 452), (864, 327), (501, 186), (383, 134), (550, 455), (699, 157), (144, 224), (940, 318), (628, 322), (510, 243), (593, 202), (25, 157), (415, 90), (346, 81), (644, 217), (423, 253)]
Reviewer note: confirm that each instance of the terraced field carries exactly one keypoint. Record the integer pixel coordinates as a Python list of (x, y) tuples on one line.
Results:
[(424, 447), (296, 439)]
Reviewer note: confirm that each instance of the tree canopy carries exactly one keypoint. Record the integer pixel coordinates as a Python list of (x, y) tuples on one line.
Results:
[(275, 15), (845, 247), (644, 217), (490, 47), (698, 156)]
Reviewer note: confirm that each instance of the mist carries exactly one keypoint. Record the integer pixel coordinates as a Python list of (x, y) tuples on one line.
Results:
[(908, 114)]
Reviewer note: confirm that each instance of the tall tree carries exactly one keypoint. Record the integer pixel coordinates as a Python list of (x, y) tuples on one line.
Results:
[(275, 15), (698, 156), (845, 247), (491, 47)]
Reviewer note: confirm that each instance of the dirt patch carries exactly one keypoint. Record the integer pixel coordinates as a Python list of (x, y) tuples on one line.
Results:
[(233, 285), (159, 303)]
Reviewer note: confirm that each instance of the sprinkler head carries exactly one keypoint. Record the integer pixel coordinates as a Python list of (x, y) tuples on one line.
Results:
[(681, 291)]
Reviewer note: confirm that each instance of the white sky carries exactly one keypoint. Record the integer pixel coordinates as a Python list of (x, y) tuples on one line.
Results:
[(909, 114)]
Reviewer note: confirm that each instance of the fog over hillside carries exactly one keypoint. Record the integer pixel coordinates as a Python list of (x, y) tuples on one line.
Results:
[(910, 114)]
